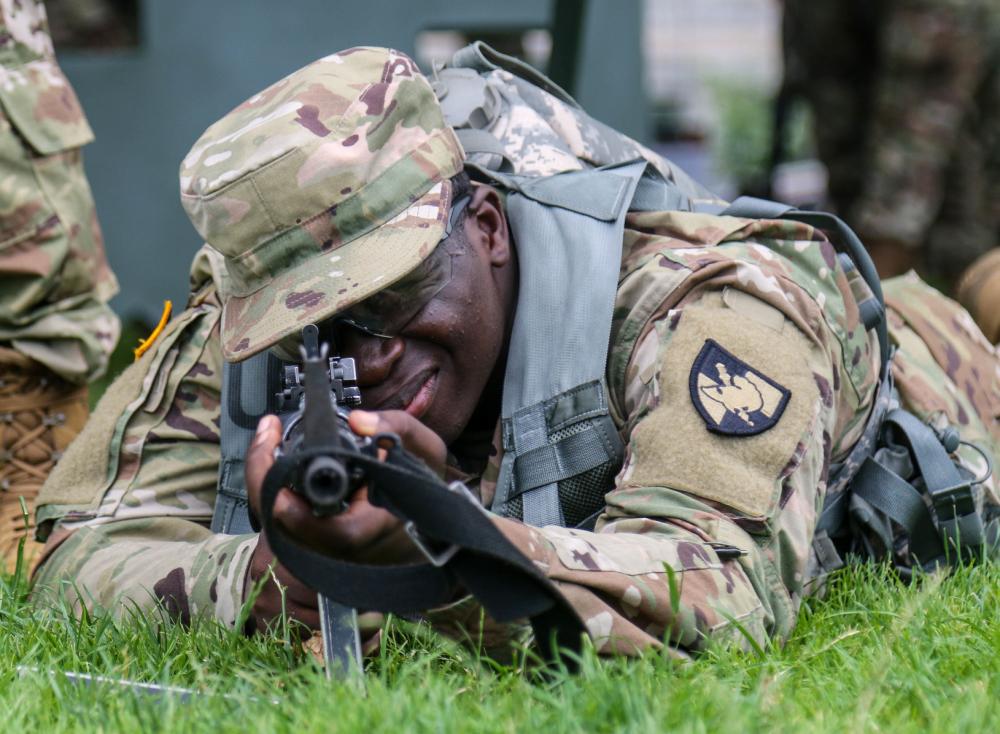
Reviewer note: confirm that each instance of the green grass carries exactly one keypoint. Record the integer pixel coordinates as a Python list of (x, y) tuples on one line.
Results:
[(875, 656)]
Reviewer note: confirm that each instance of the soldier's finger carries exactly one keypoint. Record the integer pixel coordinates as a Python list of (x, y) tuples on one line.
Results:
[(260, 457), (280, 591), (358, 529), (294, 513), (416, 438), (350, 534)]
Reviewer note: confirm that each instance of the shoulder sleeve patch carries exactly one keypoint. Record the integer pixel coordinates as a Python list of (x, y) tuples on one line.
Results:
[(737, 403), (732, 397)]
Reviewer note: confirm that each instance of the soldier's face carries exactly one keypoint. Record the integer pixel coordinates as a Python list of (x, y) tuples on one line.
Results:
[(443, 363)]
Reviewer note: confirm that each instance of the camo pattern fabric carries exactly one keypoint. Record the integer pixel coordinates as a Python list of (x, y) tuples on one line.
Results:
[(945, 370), (318, 196), (905, 95), (155, 508), (947, 373), (54, 278), (707, 533), (539, 133), (688, 277)]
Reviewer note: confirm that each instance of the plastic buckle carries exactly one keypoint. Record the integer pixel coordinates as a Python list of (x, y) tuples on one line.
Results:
[(440, 557), (958, 522), (954, 502)]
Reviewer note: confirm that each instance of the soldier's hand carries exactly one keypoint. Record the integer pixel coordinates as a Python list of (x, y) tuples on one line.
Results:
[(275, 581), (362, 533)]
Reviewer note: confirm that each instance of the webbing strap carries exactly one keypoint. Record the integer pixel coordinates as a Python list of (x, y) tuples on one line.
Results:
[(550, 463), (247, 396), (540, 502), (486, 564), (827, 556), (894, 496), (958, 520), (869, 309), (956, 523), (751, 207), (937, 469), (661, 196)]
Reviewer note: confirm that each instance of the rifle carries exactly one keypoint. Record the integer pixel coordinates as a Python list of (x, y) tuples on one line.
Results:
[(314, 404), (321, 458)]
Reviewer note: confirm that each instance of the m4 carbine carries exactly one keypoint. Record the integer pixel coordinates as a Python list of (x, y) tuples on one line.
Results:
[(314, 404), (321, 458)]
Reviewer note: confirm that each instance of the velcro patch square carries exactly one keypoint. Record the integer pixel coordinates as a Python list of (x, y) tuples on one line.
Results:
[(733, 398)]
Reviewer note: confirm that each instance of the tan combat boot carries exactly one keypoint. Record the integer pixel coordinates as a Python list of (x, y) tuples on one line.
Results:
[(39, 415), (979, 291)]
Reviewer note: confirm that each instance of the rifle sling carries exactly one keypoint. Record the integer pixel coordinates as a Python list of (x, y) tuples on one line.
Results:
[(486, 564)]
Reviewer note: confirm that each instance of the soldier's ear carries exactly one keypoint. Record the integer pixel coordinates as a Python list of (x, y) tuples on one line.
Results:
[(487, 224)]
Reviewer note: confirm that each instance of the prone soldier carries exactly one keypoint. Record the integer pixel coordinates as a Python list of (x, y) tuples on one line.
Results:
[(733, 371)]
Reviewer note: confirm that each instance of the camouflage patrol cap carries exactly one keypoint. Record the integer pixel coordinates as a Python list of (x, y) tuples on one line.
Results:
[(321, 190)]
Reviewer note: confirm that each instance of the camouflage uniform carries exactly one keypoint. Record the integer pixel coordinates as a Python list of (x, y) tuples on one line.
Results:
[(705, 536), (56, 280), (56, 331), (905, 96)]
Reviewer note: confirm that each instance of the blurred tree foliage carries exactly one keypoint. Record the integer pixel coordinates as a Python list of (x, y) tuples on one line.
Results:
[(742, 143)]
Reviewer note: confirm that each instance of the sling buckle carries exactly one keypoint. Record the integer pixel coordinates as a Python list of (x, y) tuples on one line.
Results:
[(958, 522), (954, 502), (439, 558)]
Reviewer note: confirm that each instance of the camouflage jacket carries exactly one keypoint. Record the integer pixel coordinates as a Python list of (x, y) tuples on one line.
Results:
[(54, 279), (728, 510)]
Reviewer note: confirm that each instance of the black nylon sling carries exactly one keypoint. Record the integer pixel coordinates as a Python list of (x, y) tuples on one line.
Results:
[(956, 528), (478, 558)]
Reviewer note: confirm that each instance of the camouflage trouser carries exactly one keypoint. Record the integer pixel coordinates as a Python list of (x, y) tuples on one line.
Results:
[(905, 95), (55, 281), (39, 415)]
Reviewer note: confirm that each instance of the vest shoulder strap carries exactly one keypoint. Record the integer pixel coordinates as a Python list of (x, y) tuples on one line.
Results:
[(561, 447), (248, 394)]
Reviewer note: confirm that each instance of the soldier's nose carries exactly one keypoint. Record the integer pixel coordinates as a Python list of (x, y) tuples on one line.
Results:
[(376, 357)]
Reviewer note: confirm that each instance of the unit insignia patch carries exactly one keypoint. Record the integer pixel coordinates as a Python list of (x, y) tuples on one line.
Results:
[(731, 396)]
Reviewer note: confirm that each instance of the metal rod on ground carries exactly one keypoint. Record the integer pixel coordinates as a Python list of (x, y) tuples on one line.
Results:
[(154, 690), (341, 639)]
